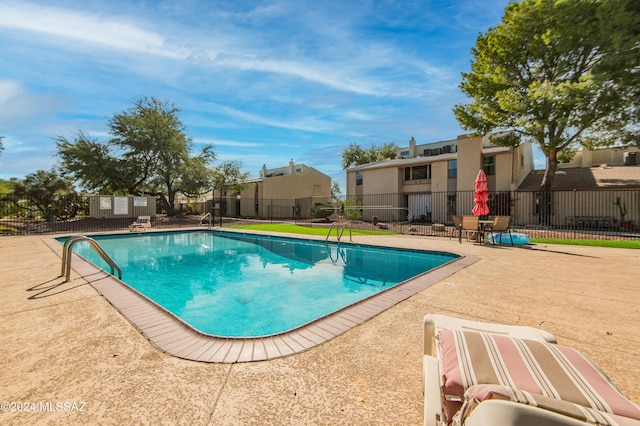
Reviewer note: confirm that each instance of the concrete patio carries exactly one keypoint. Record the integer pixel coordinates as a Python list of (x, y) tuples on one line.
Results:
[(64, 343)]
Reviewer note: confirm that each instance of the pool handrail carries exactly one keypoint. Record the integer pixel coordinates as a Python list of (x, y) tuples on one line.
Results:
[(210, 216), (66, 256), (346, 224)]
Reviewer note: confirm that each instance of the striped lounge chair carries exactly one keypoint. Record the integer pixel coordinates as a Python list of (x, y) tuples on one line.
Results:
[(487, 374)]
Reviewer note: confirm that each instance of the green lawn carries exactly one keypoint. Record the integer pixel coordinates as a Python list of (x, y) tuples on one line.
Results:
[(632, 244), (322, 231), (307, 230)]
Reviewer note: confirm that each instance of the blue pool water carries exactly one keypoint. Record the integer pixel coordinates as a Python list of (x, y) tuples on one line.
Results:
[(243, 285)]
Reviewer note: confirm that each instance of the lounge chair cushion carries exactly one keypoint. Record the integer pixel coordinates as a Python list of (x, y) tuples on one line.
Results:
[(479, 393), (554, 371)]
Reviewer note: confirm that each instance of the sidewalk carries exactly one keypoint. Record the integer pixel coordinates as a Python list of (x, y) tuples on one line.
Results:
[(64, 343)]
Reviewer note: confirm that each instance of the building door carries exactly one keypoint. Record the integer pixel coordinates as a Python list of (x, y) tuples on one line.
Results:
[(452, 209), (419, 206)]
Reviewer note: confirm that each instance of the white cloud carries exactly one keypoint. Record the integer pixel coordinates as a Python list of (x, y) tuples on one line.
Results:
[(262, 81), (18, 104), (84, 27), (344, 62), (9, 89), (307, 71), (304, 124), (359, 115), (222, 142)]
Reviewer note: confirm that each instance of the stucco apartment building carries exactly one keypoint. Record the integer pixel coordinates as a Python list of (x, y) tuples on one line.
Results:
[(436, 180), (445, 168), (282, 191), (591, 191)]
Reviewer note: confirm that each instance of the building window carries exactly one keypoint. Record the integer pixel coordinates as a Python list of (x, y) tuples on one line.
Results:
[(358, 178), (489, 165), (452, 169), (422, 172)]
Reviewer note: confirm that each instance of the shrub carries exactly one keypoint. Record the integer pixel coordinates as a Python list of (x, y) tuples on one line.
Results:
[(321, 209), (352, 210)]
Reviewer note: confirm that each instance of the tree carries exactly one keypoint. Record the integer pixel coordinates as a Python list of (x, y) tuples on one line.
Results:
[(197, 175), (355, 155), (149, 153), (619, 69), (562, 74), (228, 177), (52, 195), (336, 192), (6, 187), (92, 163)]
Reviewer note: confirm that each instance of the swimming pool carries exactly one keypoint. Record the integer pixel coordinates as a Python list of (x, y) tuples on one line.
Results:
[(244, 285)]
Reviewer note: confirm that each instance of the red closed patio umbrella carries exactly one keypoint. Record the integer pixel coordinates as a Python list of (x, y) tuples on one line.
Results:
[(481, 196)]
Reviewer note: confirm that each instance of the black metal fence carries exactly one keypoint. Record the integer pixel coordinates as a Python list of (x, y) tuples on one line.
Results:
[(593, 214)]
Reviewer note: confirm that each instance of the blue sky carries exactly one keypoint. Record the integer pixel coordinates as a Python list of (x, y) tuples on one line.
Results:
[(263, 81)]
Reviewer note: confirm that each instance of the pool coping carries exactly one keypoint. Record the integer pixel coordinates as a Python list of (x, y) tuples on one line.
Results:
[(172, 336)]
